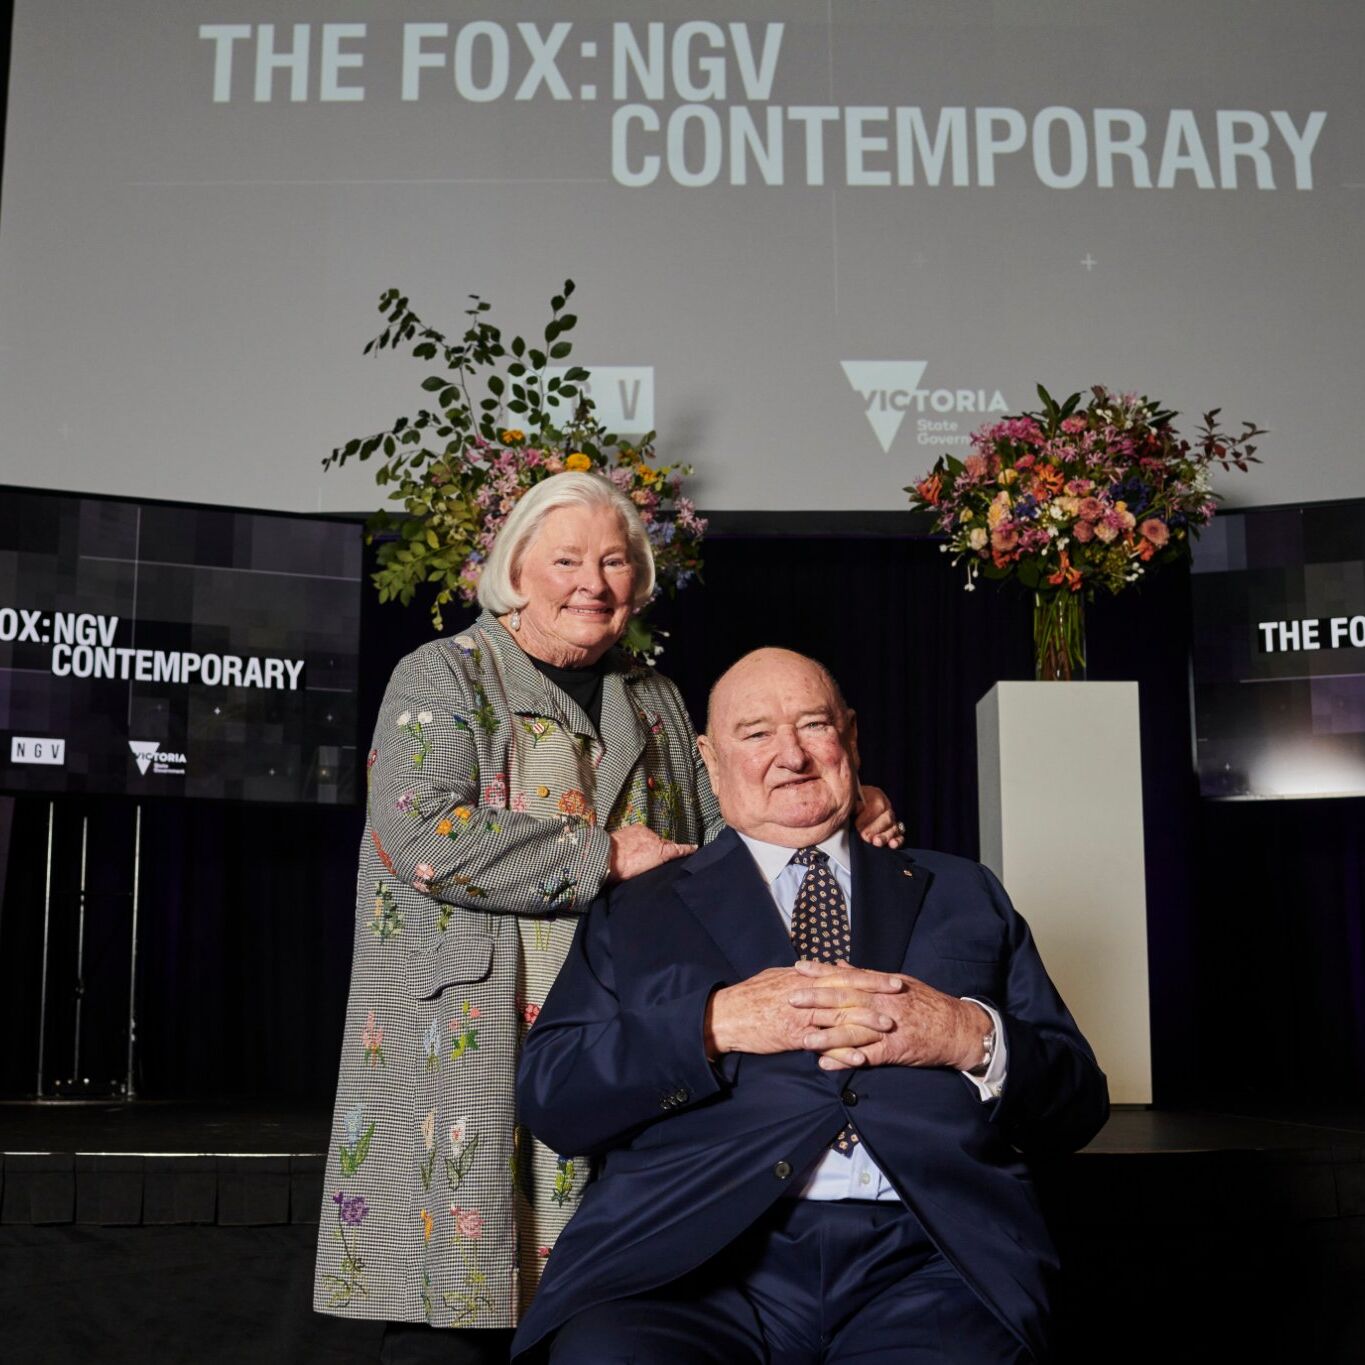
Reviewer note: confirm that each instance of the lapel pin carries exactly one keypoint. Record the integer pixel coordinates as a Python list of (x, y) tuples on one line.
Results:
[(905, 872)]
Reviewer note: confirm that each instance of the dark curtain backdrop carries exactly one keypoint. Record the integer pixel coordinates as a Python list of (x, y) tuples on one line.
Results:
[(1256, 910)]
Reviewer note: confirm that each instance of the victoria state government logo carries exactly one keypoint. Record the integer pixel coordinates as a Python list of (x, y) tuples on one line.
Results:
[(891, 389), (148, 753)]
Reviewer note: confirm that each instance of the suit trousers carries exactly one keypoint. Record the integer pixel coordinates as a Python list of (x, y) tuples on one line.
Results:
[(812, 1283)]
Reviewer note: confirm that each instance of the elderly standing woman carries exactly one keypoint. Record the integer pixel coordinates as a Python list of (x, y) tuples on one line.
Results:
[(516, 770)]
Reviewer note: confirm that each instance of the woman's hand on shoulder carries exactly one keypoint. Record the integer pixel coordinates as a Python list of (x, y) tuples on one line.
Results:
[(876, 821), (636, 848)]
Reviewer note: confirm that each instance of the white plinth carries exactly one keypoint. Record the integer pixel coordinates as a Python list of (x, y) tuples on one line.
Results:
[(1059, 769)]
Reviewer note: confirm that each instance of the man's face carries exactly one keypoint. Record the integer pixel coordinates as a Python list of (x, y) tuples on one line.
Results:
[(782, 756)]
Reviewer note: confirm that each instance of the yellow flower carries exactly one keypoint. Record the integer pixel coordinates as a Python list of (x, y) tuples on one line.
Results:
[(966, 516), (427, 1225), (512, 436), (1008, 476), (579, 461), (443, 827), (644, 473), (463, 813)]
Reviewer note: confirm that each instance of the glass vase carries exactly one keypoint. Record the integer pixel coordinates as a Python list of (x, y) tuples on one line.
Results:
[(1059, 637)]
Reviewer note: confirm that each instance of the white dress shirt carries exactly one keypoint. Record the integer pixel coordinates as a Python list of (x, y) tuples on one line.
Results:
[(834, 1175)]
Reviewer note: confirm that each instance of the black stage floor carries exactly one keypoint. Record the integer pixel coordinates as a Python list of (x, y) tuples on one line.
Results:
[(157, 1128), (167, 1232)]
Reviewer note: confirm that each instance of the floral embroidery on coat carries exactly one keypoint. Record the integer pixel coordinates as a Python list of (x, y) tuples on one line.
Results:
[(388, 918), (464, 1033), (356, 1148), (372, 1041), (350, 1279)]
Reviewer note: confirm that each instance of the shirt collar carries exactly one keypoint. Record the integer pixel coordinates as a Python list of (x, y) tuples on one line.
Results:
[(772, 858)]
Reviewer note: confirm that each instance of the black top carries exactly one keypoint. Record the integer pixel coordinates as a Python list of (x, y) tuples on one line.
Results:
[(584, 685)]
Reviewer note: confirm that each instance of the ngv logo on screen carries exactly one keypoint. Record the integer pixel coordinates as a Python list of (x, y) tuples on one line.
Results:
[(148, 753), (22, 749), (891, 388), (622, 394)]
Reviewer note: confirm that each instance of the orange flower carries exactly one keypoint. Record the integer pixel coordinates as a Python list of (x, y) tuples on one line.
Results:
[(578, 461), (1066, 576), (1047, 480), (427, 1225), (573, 802), (931, 489), (462, 813), (443, 827), (512, 436)]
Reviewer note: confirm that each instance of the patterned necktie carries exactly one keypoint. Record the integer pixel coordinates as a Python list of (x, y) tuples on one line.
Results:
[(820, 933)]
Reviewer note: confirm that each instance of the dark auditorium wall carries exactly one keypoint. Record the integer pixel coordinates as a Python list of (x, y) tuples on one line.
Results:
[(1256, 910)]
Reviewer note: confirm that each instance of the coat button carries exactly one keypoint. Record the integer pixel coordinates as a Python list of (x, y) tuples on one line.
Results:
[(782, 1170), (849, 1097), (680, 1096)]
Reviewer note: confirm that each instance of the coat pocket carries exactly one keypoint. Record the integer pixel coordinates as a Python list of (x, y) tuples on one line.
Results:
[(454, 960)]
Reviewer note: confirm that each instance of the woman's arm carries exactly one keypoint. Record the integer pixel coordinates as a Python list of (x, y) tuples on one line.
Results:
[(436, 824)]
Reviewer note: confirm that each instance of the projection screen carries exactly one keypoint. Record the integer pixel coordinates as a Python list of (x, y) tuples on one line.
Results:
[(815, 244)]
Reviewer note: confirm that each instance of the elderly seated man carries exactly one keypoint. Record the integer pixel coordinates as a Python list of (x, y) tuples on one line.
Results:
[(810, 1072)]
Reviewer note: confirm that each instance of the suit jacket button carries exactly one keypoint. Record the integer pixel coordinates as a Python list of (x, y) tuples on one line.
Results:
[(782, 1170), (680, 1096), (849, 1097)]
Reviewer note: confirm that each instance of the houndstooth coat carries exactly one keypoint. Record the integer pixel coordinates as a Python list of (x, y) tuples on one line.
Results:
[(489, 803)]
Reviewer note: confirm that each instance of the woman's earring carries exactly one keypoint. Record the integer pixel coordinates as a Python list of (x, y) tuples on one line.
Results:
[(515, 619)]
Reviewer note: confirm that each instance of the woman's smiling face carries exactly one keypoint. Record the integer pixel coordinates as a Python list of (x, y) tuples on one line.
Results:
[(579, 583)]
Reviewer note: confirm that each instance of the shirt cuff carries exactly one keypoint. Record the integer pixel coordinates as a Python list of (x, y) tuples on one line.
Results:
[(990, 1086)]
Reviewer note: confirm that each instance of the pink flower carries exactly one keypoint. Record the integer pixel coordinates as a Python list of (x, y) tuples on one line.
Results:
[(1024, 462), (468, 1222), (1005, 538), (1091, 509), (421, 877), (518, 802), (530, 1012), (1106, 532), (974, 467), (542, 1252), (1156, 531), (1078, 488), (1083, 531), (495, 793), (554, 464), (1074, 423)]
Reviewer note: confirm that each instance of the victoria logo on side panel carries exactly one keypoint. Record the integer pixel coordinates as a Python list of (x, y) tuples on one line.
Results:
[(148, 753)]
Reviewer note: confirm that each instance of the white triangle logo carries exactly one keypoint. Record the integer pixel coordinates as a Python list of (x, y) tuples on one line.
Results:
[(144, 750), (879, 383)]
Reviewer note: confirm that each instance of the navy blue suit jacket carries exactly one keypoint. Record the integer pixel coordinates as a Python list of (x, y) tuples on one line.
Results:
[(691, 1154)]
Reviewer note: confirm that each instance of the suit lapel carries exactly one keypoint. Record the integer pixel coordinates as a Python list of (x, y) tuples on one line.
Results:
[(623, 741), (725, 891), (888, 890)]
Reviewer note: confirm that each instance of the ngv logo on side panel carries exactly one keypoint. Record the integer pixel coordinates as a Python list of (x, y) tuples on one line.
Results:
[(622, 394), (891, 388), (23, 749), (148, 753)]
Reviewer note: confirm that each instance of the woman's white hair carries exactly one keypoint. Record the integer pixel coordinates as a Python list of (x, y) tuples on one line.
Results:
[(497, 583)]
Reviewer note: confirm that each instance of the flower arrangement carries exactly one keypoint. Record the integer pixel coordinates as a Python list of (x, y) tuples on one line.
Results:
[(458, 468), (1072, 499)]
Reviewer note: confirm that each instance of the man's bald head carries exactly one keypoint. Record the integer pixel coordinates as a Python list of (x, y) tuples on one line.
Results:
[(769, 653), (781, 749)]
